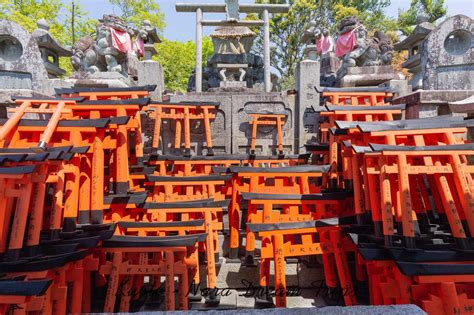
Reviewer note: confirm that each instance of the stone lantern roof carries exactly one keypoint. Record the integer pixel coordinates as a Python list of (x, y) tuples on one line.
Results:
[(44, 39), (232, 39), (225, 32), (419, 33)]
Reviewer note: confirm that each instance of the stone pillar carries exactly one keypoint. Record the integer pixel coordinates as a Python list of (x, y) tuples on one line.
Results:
[(198, 50), (266, 53), (307, 102), (150, 73)]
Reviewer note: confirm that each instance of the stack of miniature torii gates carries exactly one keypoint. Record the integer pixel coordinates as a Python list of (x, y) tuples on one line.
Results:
[(93, 220)]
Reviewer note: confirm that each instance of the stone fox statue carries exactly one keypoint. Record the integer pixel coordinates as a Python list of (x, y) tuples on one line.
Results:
[(114, 44), (356, 48)]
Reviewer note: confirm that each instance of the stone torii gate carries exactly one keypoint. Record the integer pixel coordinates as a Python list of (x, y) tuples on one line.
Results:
[(232, 8)]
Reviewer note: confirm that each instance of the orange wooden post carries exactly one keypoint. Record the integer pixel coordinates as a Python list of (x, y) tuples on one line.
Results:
[(157, 129), (279, 270), (52, 124), (207, 128), (280, 123)]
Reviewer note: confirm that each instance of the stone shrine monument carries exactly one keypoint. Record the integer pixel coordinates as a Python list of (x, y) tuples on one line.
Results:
[(232, 65), (234, 78), (445, 56), (21, 64), (29, 63)]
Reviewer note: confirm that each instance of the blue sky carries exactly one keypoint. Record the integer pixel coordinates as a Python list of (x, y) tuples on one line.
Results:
[(181, 26)]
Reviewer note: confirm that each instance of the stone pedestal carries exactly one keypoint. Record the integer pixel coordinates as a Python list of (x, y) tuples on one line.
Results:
[(151, 73), (231, 132), (150, 51), (368, 76), (100, 79), (422, 103), (307, 77)]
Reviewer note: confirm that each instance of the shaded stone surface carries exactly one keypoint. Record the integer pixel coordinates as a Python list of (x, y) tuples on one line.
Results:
[(212, 77), (352, 310)]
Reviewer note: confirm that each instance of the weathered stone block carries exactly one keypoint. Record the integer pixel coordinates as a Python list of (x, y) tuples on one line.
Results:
[(307, 76), (151, 73), (422, 103), (447, 55), (368, 76)]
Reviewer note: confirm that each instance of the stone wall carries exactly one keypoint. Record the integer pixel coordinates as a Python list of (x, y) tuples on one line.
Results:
[(231, 132)]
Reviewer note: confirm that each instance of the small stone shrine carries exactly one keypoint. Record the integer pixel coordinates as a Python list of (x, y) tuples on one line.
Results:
[(445, 56), (232, 65), (149, 35), (240, 81)]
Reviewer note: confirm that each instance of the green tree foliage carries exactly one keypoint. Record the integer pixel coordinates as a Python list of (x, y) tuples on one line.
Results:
[(27, 12), (135, 12), (178, 61), (432, 9), (286, 30)]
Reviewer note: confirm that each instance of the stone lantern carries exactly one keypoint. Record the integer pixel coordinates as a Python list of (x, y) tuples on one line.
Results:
[(50, 49), (413, 44)]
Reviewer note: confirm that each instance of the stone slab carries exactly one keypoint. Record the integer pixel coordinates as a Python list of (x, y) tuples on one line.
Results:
[(307, 77), (368, 76), (242, 104), (463, 106), (423, 103), (233, 84), (401, 87), (407, 309)]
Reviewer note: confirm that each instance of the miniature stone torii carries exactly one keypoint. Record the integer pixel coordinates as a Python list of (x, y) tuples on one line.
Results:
[(232, 8)]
